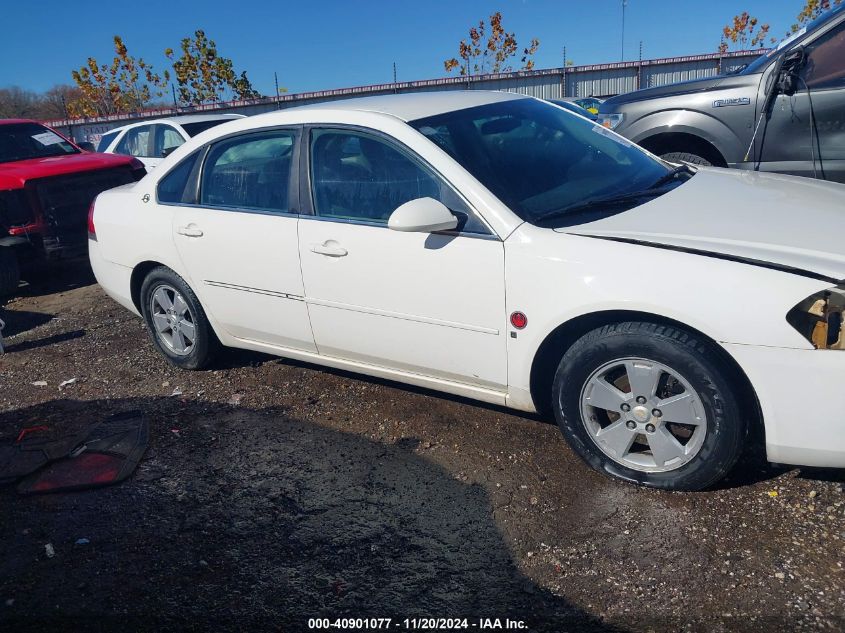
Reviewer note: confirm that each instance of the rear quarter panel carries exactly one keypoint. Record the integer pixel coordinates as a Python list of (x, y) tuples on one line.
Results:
[(131, 230)]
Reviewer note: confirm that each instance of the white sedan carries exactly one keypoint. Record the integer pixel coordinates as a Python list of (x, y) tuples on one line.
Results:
[(498, 247), (151, 140)]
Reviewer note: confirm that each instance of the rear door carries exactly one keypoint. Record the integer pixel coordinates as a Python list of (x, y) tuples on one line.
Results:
[(238, 239)]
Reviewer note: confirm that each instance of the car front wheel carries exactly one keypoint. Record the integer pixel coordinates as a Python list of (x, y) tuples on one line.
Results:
[(176, 321), (650, 404)]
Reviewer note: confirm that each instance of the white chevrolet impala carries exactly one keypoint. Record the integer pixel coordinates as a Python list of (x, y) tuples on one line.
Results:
[(502, 248)]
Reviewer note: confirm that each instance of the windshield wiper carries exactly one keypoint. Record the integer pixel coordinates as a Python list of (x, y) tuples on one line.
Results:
[(683, 168), (656, 189), (607, 201)]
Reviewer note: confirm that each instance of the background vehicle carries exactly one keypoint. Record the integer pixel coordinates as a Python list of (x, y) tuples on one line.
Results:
[(574, 107), (47, 184), (782, 113), (591, 104), (493, 246), (150, 141)]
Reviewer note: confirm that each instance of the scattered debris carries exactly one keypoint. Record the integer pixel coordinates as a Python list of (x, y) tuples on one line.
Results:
[(67, 383), (48, 549), (813, 494), (773, 493), (39, 383), (235, 400), (176, 392), (82, 541)]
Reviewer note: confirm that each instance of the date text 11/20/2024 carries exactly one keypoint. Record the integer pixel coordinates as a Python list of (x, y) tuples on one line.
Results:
[(417, 624)]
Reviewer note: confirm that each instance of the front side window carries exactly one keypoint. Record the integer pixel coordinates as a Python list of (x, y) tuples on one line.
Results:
[(136, 142), (824, 67), (359, 176), (22, 141), (542, 161), (166, 140), (249, 172)]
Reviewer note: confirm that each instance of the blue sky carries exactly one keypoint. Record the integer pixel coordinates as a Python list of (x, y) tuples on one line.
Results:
[(336, 43)]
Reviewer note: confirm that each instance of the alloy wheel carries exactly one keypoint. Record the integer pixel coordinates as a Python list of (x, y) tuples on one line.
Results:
[(173, 321), (643, 415)]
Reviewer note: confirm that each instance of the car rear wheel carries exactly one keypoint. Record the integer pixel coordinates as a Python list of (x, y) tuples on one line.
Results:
[(10, 273), (686, 157), (176, 321), (649, 404)]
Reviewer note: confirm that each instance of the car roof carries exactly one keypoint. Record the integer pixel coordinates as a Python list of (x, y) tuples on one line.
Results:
[(412, 106), (179, 120)]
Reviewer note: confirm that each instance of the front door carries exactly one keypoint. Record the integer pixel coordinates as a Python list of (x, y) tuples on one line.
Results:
[(239, 244), (430, 304), (805, 135)]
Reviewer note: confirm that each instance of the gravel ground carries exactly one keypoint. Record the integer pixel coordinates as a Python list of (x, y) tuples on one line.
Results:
[(275, 491)]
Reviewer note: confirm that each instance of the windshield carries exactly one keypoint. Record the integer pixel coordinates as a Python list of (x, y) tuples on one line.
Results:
[(789, 41), (201, 126), (541, 160), (21, 141)]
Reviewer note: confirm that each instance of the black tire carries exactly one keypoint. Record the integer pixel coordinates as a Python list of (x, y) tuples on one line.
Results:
[(686, 157), (10, 272), (205, 345), (699, 362)]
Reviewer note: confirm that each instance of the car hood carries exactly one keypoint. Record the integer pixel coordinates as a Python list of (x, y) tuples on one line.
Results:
[(14, 175), (783, 222), (671, 90)]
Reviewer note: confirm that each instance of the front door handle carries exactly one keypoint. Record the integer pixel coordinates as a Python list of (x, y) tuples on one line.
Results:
[(189, 231), (329, 248)]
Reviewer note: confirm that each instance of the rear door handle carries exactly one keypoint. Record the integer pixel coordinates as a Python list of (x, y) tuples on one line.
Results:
[(189, 231), (329, 248)]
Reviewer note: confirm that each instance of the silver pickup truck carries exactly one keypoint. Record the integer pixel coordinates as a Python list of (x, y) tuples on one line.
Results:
[(785, 112)]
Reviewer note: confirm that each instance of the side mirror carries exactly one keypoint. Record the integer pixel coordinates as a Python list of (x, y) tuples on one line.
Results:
[(88, 146), (790, 71), (423, 215), (167, 151)]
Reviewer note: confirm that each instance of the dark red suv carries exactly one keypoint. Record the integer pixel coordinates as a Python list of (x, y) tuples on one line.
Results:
[(47, 184)]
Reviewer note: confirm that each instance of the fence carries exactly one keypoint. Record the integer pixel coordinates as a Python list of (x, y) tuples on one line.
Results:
[(599, 80)]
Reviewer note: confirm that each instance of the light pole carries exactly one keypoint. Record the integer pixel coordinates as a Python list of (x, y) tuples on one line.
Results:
[(624, 4)]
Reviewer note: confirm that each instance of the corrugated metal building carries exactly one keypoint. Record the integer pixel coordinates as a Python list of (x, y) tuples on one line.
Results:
[(600, 80)]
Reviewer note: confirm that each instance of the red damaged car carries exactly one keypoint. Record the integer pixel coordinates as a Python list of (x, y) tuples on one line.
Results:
[(47, 184)]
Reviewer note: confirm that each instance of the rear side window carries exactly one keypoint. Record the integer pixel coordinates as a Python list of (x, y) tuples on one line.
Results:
[(171, 188), (106, 140), (250, 172)]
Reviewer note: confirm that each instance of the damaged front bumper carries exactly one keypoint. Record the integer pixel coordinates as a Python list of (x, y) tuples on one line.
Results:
[(802, 398)]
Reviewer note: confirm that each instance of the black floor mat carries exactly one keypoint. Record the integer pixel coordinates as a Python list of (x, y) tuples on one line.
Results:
[(106, 453)]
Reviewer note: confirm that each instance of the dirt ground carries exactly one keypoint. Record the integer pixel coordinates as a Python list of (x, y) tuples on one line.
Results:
[(275, 491)]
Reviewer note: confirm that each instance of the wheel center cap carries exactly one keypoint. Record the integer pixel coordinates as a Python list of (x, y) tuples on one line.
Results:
[(641, 414)]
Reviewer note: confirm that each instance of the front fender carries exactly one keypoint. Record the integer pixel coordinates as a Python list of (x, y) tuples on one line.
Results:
[(555, 278), (681, 121)]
